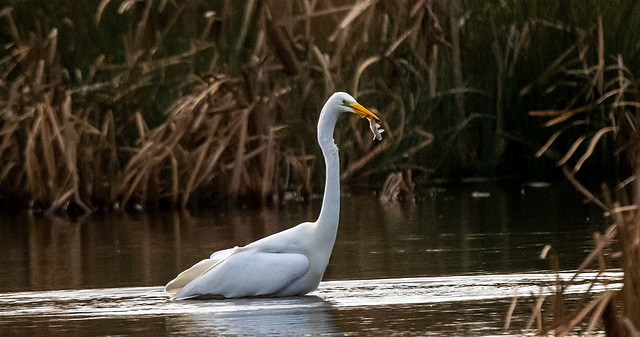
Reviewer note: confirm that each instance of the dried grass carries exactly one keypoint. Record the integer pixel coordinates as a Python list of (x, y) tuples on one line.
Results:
[(608, 113), (223, 104), (223, 131)]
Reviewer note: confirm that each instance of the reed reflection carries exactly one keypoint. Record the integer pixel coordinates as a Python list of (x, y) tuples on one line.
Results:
[(449, 233)]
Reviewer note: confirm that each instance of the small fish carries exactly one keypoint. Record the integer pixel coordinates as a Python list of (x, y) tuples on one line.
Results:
[(375, 128)]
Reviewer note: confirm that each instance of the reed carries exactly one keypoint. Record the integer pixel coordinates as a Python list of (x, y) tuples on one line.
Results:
[(88, 135), (617, 310), (152, 103), (598, 121)]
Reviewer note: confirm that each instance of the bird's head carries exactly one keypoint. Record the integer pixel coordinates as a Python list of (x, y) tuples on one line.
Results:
[(346, 103)]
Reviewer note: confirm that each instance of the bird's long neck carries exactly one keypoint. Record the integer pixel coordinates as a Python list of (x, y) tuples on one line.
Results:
[(330, 212)]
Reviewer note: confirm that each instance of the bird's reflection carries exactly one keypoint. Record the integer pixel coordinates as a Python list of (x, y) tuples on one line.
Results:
[(291, 316)]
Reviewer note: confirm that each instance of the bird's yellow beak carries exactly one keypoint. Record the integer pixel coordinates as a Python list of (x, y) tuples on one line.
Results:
[(361, 111)]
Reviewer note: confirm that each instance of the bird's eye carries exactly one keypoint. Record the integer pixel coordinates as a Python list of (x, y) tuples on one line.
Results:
[(344, 102)]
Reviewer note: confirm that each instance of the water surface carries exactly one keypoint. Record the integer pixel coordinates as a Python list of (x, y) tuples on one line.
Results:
[(446, 264)]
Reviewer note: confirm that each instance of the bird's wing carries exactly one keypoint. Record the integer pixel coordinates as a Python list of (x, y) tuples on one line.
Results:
[(246, 273), (196, 270)]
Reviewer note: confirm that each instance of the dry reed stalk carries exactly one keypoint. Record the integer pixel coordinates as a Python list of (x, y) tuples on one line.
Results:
[(554, 67), (629, 235), (269, 164), (302, 169), (200, 143), (454, 9), (599, 310), (224, 133), (396, 187), (361, 68), (58, 185), (234, 188), (536, 313), (566, 323), (353, 14), (512, 307), (555, 136), (571, 324), (611, 107), (603, 307), (249, 9), (282, 44), (592, 145)]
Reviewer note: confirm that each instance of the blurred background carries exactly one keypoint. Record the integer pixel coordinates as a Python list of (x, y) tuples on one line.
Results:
[(148, 104)]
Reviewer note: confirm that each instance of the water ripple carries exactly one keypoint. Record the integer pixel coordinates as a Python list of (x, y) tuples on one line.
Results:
[(379, 292)]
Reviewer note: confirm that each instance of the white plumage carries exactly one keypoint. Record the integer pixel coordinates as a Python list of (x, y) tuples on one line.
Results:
[(287, 263)]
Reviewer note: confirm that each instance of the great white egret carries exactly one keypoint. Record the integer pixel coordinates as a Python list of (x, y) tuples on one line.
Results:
[(290, 262)]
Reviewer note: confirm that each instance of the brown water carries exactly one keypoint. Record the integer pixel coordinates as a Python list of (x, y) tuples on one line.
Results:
[(445, 265)]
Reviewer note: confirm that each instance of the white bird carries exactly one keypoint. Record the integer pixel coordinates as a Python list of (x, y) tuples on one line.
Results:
[(287, 263)]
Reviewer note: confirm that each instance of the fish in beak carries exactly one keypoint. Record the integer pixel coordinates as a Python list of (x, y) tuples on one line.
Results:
[(365, 113), (375, 129)]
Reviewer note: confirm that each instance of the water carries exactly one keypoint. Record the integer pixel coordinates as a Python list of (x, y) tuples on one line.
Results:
[(445, 265)]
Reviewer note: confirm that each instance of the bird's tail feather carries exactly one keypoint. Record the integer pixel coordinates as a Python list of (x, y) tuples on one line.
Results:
[(196, 270)]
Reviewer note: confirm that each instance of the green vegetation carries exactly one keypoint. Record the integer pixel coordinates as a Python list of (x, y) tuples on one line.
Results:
[(169, 103)]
